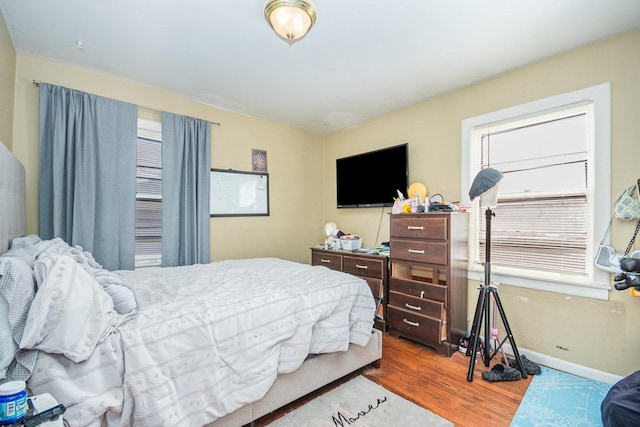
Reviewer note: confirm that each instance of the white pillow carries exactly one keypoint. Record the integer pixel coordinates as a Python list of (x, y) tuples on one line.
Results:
[(17, 288), (7, 345), (24, 248), (124, 300), (70, 313), (123, 297)]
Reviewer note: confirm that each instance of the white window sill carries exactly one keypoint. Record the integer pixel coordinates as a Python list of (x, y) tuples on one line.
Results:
[(148, 261), (600, 292)]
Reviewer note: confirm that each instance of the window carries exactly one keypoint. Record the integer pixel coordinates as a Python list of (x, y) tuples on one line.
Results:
[(148, 243), (555, 157)]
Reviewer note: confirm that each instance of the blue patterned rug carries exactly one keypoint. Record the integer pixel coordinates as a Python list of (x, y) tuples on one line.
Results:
[(558, 399)]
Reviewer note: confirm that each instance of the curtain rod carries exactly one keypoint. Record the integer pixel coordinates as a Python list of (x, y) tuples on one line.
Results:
[(37, 83)]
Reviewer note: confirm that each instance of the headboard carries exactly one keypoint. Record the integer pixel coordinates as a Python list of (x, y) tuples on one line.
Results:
[(12, 201)]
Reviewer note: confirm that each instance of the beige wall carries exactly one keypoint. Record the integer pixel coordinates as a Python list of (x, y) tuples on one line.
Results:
[(7, 81), (294, 168), (597, 334)]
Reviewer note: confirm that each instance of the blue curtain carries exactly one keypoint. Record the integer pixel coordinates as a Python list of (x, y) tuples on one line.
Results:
[(186, 170), (87, 173)]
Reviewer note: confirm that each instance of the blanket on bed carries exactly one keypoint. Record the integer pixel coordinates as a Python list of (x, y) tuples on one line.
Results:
[(207, 339)]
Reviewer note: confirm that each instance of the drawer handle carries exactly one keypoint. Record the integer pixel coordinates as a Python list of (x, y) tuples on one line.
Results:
[(326, 261), (415, 227), (412, 307), (416, 251), (364, 267), (410, 323)]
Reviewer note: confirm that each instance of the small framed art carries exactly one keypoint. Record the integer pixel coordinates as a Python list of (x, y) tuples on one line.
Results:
[(259, 160)]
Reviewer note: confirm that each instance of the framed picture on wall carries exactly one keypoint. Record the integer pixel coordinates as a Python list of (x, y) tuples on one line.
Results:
[(259, 160)]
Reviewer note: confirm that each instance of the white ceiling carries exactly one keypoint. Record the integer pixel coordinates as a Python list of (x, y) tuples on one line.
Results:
[(363, 58)]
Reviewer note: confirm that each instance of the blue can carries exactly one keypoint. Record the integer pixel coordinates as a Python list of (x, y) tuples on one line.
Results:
[(13, 402)]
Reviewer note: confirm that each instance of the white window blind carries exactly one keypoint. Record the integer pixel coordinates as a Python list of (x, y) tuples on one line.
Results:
[(544, 234), (148, 242)]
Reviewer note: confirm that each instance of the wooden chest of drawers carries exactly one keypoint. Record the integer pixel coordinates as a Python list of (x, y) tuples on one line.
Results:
[(428, 279), (372, 268)]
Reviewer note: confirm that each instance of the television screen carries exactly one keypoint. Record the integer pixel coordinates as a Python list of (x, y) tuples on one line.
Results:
[(372, 179)]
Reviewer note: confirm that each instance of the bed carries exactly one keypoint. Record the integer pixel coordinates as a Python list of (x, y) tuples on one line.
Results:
[(220, 344)]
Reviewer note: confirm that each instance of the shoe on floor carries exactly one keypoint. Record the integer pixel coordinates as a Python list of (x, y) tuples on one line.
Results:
[(499, 372), (463, 345), (529, 367)]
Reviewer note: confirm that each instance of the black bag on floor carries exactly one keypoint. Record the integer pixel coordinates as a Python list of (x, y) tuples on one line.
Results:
[(621, 406)]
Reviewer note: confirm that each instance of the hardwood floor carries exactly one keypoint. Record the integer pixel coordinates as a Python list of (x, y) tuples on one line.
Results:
[(439, 384)]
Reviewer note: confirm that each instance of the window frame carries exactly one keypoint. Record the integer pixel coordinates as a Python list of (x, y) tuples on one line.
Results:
[(597, 283)]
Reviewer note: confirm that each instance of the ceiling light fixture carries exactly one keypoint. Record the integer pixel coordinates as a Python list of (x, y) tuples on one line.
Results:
[(290, 19)]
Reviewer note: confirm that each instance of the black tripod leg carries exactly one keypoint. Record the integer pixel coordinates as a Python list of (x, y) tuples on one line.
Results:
[(486, 354), (475, 331), (512, 341)]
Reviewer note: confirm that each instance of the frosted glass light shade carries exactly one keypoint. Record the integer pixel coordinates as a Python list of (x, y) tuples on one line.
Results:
[(290, 19)]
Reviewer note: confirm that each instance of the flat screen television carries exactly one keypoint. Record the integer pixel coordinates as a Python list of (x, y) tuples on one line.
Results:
[(371, 179)]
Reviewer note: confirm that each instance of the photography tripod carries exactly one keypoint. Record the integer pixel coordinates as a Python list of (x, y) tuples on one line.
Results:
[(483, 309)]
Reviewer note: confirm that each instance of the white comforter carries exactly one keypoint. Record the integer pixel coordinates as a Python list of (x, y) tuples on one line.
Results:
[(207, 340)]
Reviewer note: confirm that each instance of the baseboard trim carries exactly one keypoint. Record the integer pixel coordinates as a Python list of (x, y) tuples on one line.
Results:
[(563, 365)]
